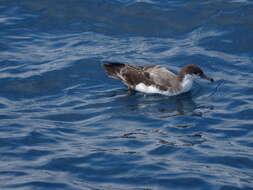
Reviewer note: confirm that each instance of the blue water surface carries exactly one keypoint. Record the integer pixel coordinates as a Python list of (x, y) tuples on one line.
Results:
[(64, 125)]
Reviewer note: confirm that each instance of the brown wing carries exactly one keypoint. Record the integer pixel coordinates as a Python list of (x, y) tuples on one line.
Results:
[(149, 75), (161, 77), (133, 75)]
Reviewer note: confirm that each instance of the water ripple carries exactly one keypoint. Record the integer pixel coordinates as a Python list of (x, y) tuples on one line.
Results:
[(62, 118)]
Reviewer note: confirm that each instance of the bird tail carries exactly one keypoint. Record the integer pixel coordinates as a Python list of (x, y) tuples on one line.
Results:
[(113, 69)]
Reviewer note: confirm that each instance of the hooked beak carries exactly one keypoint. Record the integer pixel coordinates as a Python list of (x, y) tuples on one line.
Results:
[(203, 76)]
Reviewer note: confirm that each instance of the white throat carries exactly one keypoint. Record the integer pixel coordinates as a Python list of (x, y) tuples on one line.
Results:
[(187, 83)]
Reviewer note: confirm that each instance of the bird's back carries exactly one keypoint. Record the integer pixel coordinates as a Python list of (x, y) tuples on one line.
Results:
[(151, 75)]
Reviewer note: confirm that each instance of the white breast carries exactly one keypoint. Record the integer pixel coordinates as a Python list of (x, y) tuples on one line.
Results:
[(187, 83)]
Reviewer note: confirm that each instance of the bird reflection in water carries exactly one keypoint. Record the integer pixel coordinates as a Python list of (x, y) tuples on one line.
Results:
[(159, 105)]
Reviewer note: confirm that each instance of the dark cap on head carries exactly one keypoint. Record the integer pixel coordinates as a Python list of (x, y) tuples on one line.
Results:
[(193, 70)]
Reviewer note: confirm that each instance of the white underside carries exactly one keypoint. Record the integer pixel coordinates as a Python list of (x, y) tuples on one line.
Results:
[(185, 86), (152, 90)]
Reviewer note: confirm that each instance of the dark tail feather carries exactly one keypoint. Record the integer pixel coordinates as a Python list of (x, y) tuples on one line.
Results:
[(113, 69)]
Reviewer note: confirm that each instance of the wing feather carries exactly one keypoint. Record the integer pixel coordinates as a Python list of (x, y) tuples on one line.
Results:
[(155, 75), (162, 77)]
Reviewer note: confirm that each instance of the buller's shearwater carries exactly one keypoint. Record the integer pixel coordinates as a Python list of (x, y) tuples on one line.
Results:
[(155, 78)]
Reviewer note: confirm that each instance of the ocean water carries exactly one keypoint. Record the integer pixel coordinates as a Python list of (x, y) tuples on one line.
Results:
[(64, 125)]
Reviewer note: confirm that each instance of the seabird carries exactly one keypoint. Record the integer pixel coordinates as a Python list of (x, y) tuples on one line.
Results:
[(154, 78)]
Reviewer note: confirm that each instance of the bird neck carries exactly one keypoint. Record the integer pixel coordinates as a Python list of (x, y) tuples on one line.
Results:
[(186, 83)]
